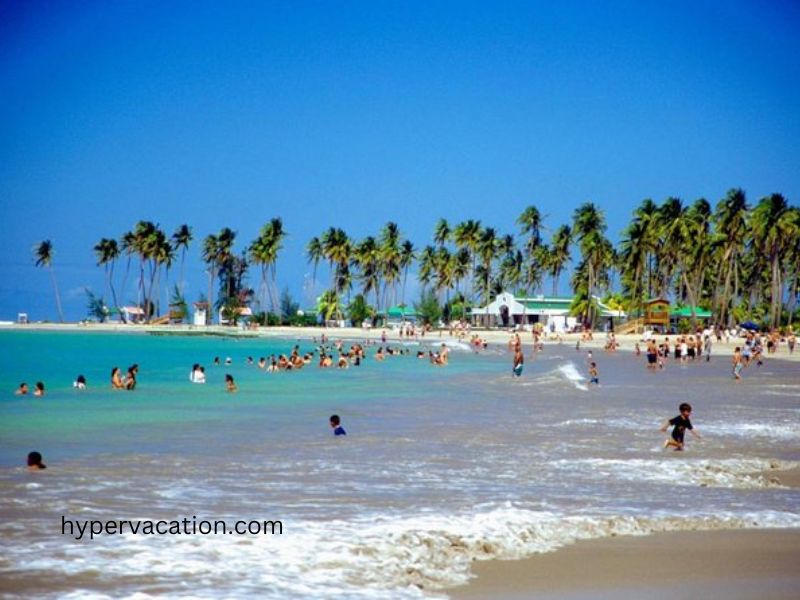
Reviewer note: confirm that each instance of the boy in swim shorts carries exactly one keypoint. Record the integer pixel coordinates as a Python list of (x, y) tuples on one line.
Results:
[(679, 426)]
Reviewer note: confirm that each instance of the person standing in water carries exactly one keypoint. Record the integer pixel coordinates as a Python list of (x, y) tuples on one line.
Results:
[(519, 361), (679, 426)]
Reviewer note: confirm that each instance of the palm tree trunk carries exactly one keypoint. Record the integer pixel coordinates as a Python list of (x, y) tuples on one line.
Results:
[(113, 291), (58, 296)]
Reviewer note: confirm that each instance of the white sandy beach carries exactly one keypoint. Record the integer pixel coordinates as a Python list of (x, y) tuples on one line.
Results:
[(625, 342)]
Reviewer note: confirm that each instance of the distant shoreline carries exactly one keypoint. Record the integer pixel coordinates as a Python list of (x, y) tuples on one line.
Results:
[(626, 342)]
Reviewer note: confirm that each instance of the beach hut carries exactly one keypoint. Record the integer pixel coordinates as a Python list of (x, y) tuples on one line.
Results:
[(656, 313), (397, 315), (685, 312), (243, 312), (132, 314), (200, 316)]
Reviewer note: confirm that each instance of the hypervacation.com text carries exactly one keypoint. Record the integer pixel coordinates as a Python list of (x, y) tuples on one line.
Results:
[(79, 528)]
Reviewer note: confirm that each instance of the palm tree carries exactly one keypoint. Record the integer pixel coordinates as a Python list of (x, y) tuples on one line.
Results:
[(390, 254), (467, 236), (671, 222), (338, 250), (264, 252), (427, 266), (128, 246), (329, 306), (695, 252), (487, 251), (44, 258), (107, 252), (210, 253), (589, 226), (530, 222), (441, 232), (559, 253), (731, 226), (772, 223), (314, 253), (367, 259), (407, 256), (180, 241)]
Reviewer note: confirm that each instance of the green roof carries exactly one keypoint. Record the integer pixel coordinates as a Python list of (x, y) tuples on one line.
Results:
[(686, 311), (545, 303), (401, 311)]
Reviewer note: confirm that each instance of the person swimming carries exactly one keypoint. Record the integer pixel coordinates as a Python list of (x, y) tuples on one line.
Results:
[(130, 378), (35, 461), (22, 390), (116, 379), (230, 384), (80, 382), (38, 389), (337, 426)]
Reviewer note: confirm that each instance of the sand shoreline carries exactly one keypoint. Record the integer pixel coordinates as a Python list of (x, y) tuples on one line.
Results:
[(732, 564), (626, 342)]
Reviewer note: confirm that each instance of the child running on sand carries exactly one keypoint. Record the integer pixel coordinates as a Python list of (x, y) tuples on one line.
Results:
[(679, 426)]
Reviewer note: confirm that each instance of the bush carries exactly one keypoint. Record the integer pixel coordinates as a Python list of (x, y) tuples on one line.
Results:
[(428, 310)]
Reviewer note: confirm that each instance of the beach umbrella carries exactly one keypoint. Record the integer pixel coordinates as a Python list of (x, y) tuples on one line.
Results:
[(749, 325)]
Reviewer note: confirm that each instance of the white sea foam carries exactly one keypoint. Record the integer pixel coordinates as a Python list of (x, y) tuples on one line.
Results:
[(453, 345), (570, 372), (787, 430), (727, 473), (373, 557)]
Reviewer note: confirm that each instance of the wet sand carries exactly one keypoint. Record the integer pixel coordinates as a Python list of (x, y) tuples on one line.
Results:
[(735, 565)]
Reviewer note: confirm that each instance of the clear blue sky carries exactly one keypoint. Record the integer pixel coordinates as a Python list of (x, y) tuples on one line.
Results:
[(355, 113)]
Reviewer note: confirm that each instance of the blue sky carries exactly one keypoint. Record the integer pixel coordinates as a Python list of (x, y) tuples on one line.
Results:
[(352, 114)]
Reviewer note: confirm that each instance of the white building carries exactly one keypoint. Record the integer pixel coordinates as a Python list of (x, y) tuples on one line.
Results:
[(551, 311)]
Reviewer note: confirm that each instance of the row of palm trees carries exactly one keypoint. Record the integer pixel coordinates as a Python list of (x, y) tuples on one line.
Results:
[(741, 261), (377, 263)]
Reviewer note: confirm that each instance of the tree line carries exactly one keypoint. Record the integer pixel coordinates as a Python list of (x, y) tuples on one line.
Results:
[(740, 261)]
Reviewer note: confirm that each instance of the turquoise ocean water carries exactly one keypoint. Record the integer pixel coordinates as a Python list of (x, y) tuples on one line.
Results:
[(440, 466)]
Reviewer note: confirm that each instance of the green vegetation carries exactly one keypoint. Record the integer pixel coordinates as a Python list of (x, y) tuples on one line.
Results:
[(741, 262)]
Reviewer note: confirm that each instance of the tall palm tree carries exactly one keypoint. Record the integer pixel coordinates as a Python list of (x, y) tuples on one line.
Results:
[(407, 256), (367, 258), (466, 236), (180, 242), (427, 266), (230, 267), (589, 226), (695, 252), (339, 252), (107, 251), (487, 252), (264, 252), (210, 253), (128, 246), (44, 258), (559, 253), (772, 230), (671, 230), (314, 253), (530, 221), (731, 227), (444, 269), (441, 233), (389, 248)]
